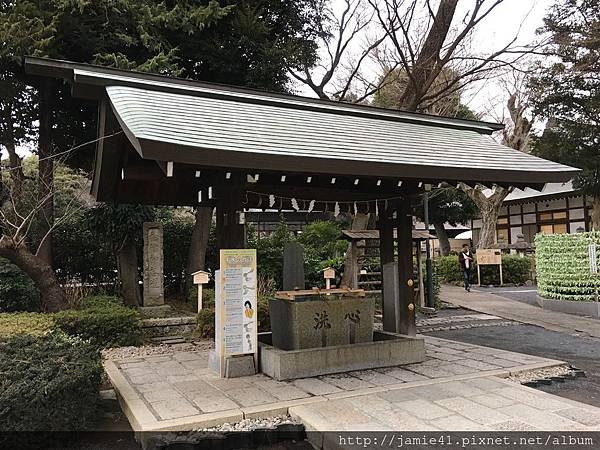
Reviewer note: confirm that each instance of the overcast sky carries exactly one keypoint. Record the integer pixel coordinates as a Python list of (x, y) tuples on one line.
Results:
[(512, 17)]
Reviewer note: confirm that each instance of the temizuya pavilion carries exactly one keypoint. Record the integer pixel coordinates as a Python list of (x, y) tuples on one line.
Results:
[(191, 143)]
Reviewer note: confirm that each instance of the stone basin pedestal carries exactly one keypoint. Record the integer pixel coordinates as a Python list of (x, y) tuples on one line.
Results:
[(321, 321), (324, 334)]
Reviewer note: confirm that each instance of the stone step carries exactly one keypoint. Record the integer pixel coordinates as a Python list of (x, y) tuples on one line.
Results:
[(169, 326), (169, 339)]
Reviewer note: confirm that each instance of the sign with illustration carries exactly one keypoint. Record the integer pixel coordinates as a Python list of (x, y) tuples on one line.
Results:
[(237, 297)]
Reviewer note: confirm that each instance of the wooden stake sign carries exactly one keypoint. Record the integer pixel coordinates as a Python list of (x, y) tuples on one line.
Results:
[(328, 274), (200, 278)]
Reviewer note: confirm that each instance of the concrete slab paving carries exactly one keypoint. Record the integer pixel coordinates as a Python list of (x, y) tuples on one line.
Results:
[(178, 392), (482, 410)]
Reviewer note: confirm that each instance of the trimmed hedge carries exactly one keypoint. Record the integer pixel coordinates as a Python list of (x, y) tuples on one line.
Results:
[(104, 321), (24, 323), (562, 266), (48, 383), (17, 291), (515, 270)]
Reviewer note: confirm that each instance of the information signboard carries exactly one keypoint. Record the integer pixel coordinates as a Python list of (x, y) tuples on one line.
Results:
[(237, 299), (488, 257), (593, 258)]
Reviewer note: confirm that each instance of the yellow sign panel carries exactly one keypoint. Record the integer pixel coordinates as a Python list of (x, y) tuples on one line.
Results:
[(487, 257), (237, 297)]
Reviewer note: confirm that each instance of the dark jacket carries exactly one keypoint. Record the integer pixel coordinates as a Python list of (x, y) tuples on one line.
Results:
[(462, 257)]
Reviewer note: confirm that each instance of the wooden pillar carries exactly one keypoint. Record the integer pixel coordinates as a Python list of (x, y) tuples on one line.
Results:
[(406, 307), (230, 232), (354, 264), (420, 274), (389, 270)]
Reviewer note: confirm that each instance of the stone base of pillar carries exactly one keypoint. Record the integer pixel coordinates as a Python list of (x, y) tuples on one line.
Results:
[(233, 366)]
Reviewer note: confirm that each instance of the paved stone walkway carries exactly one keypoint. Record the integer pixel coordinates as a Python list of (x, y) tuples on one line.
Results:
[(479, 404), (496, 305), (178, 391), (461, 321)]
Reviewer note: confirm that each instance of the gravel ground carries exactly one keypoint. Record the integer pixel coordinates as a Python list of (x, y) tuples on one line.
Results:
[(119, 353), (253, 424), (541, 374)]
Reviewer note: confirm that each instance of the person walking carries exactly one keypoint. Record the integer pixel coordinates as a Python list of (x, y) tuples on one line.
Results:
[(465, 258)]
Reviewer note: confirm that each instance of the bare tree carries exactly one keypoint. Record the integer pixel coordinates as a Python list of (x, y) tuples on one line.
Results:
[(420, 41), (340, 71), (18, 219), (515, 135)]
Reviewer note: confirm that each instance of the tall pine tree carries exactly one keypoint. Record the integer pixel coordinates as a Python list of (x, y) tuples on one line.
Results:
[(567, 93)]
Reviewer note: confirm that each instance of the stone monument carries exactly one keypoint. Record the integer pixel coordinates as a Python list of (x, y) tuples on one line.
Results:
[(154, 294), (293, 266)]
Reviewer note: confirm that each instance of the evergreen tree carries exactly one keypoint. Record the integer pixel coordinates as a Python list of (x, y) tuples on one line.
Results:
[(248, 42), (567, 93)]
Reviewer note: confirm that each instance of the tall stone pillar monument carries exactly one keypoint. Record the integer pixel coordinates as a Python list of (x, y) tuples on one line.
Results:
[(154, 292)]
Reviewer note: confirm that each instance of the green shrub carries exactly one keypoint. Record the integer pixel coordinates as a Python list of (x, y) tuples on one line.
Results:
[(264, 318), (14, 324), (435, 278), (448, 269), (17, 291), (515, 270), (562, 266), (208, 297), (322, 245), (48, 383), (102, 320), (206, 323)]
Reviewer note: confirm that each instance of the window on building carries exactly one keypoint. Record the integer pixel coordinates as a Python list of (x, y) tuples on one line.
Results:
[(560, 215), (554, 228), (503, 235)]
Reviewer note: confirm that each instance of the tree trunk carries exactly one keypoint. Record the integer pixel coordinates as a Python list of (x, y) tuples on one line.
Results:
[(127, 263), (360, 221), (596, 213), (442, 236), (487, 234), (489, 208), (197, 251), (425, 71), (46, 175), (52, 296)]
